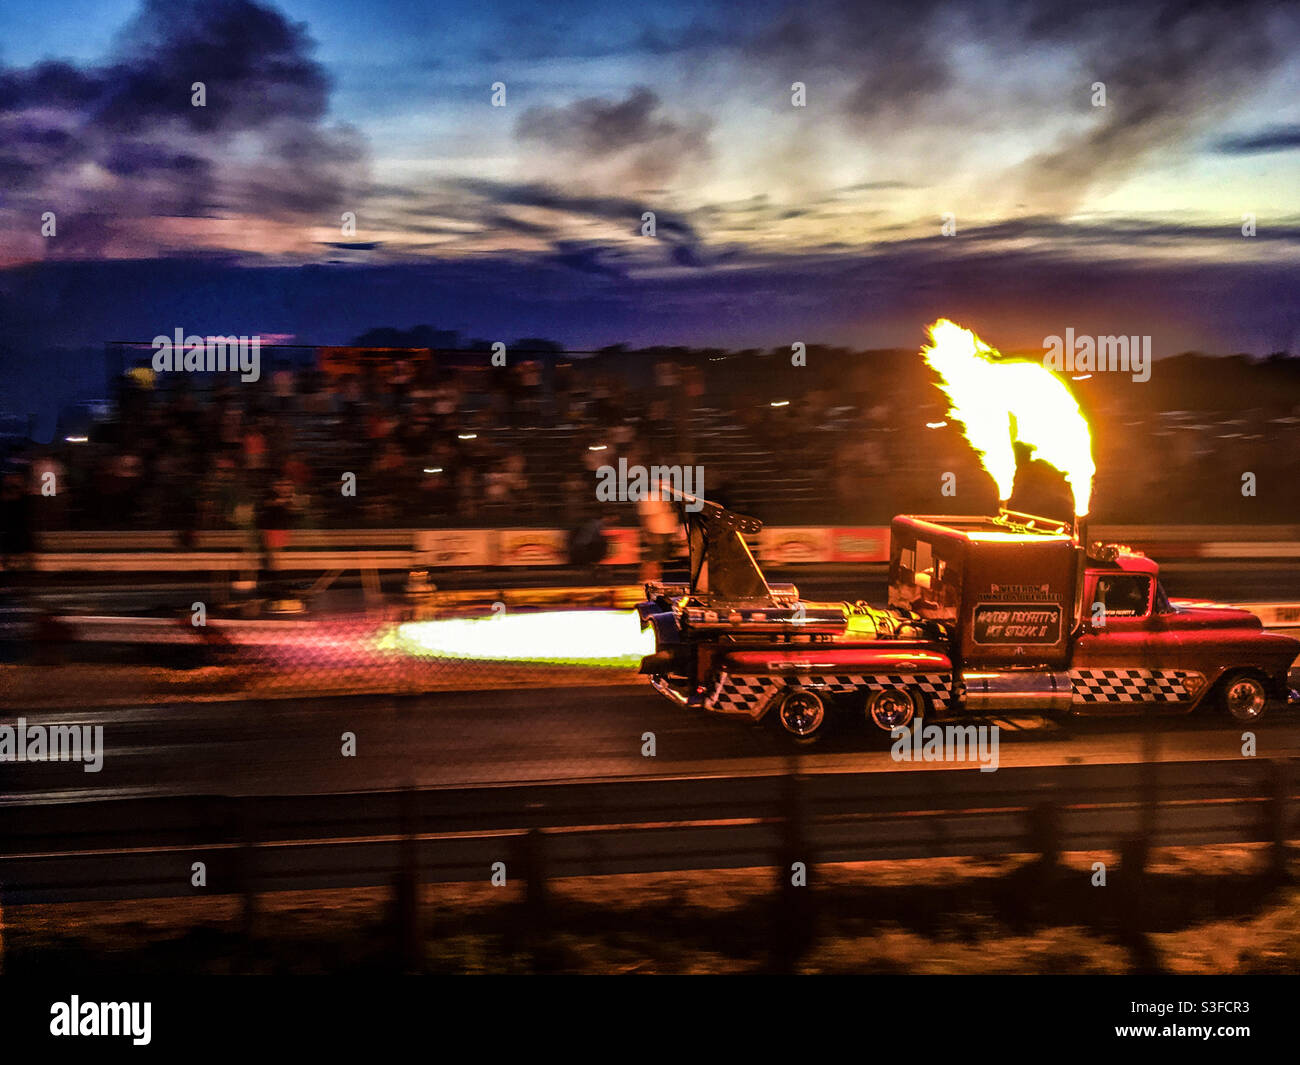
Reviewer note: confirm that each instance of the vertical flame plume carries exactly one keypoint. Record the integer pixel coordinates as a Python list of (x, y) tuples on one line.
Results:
[(1000, 401)]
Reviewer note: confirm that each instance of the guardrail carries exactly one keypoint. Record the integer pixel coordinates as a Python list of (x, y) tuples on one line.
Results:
[(144, 848)]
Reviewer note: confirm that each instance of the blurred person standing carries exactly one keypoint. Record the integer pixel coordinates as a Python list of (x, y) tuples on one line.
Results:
[(530, 377), (283, 387), (274, 520), (658, 519), (255, 448), (588, 545)]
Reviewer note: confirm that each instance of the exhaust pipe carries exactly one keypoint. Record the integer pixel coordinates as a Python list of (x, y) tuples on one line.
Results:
[(1081, 564)]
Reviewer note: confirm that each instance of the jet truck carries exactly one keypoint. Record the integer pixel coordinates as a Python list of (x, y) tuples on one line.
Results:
[(1008, 613)]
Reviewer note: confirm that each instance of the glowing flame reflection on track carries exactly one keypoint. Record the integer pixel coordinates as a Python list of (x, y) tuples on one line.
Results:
[(611, 638)]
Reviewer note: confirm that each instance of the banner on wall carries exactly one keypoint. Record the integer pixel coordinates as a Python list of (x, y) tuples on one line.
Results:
[(860, 544), (790, 544), (455, 547), (532, 547)]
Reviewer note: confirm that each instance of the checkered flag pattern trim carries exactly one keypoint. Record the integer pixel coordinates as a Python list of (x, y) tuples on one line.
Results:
[(752, 694), (1129, 685)]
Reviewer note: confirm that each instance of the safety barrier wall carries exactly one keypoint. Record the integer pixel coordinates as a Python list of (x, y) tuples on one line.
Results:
[(390, 549)]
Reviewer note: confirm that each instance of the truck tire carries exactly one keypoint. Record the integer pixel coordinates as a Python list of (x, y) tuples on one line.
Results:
[(892, 708), (802, 716), (1244, 697)]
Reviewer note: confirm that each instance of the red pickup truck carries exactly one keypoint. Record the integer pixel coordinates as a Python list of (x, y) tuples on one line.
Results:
[(1001, 613)]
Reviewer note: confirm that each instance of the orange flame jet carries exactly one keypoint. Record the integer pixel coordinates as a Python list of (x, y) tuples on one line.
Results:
[(999, 401)]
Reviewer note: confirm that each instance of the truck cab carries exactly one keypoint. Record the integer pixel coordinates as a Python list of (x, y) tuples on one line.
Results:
[(1138, 648)]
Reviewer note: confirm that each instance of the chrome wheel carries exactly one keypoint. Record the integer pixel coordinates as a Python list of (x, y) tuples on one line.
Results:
[(802, 714), (1245, 698), (890, 709)]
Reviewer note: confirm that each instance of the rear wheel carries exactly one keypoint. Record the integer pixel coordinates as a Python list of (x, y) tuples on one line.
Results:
[(802, 716), (892, 708), (1244, 697)]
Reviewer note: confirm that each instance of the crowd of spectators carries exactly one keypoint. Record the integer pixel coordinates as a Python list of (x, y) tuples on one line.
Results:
[(412, 440)]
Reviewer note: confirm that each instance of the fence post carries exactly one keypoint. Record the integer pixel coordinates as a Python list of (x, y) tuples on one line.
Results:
[(794, 924), (1133, 899), (408, 928), (243, 872), (534, 911), (1276, 807), (1149, 787), (1044, 822), (1133, 889)]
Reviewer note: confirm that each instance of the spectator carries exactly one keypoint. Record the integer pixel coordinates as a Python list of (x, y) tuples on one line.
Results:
[(588, 544), (275, 518), (659, 525), (283, 386)]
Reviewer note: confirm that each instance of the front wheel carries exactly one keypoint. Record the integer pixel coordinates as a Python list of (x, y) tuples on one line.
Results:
[(1245, 698), (802, 716)]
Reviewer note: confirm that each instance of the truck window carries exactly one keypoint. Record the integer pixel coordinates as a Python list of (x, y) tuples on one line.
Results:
[(907, 560), (1163, 606), (923, 556), (1123, 595)]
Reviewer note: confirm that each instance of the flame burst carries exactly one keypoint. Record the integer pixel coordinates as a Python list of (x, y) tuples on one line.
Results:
[(999, 401), (611, 638)]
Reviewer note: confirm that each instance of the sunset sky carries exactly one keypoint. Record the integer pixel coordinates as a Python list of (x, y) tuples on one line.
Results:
[(774, 223)]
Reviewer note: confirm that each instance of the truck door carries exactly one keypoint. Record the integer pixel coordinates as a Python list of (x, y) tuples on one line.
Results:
[(1127, 652)]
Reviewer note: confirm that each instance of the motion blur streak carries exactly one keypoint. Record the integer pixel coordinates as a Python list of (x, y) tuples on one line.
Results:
[(592, 637), (999, 401)]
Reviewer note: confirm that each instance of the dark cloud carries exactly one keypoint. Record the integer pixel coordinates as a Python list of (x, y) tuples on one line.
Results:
[(256, 65), (883, 63), (260, 145), (672, 230), (609, 208), (1272, 139), (636, 135), (875, 186), (1171, 68), (500, 221), (1134, 232), (588, 259)]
